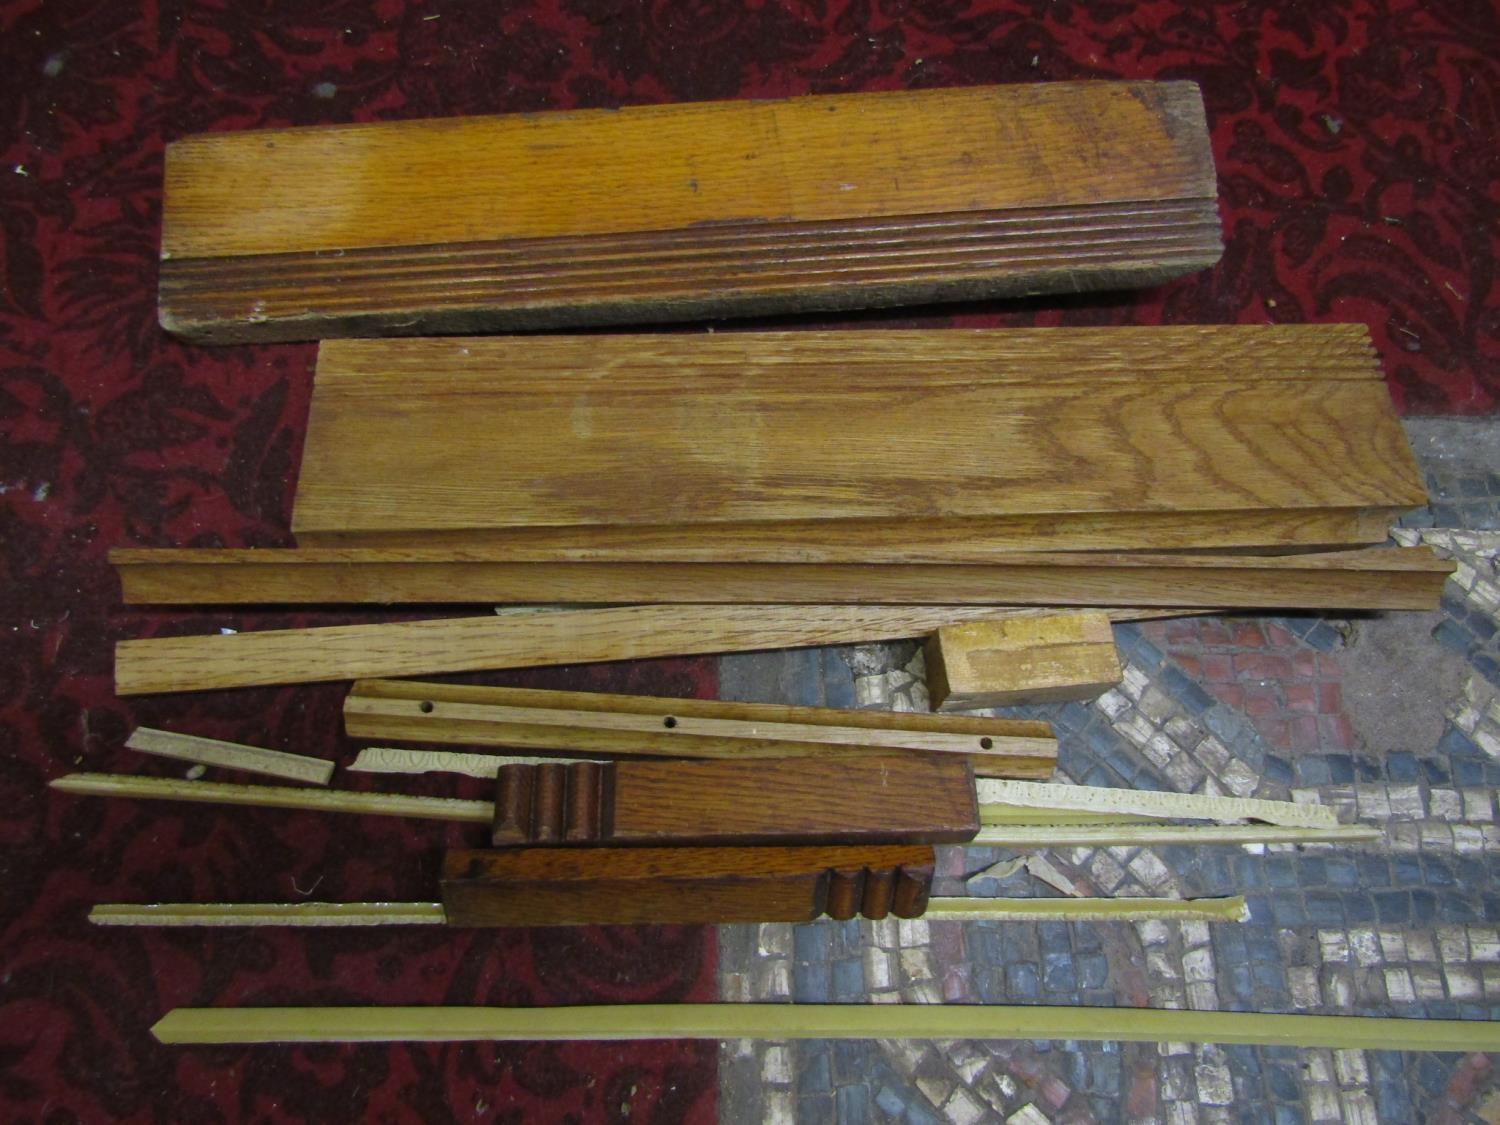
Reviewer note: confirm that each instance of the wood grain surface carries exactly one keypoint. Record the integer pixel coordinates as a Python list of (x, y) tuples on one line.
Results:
[(593, 723), (1372, 578), (615, 886), (440, 441), (523, 640), (1024, 660), (905, 799), (651, 212)]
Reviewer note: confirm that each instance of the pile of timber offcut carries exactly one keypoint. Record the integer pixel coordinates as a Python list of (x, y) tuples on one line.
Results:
[(678, 211)]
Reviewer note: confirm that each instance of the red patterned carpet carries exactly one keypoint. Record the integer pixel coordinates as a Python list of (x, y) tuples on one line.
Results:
[(1358, 157)]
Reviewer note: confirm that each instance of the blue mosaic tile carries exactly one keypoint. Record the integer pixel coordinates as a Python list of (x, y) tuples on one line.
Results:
[(853, 1103), (810, 984), (811, 942), (1187, 692)]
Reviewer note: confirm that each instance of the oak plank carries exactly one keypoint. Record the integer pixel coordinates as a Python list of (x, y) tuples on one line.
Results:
[(654, 212)]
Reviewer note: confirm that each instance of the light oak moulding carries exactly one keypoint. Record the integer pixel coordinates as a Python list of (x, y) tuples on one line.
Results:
[(684, 211), (1371, 578)]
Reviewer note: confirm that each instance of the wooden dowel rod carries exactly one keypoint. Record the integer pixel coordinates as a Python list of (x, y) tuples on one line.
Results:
[(820, 1021)]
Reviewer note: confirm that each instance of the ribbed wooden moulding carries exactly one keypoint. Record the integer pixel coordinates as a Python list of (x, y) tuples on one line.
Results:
[(706, 209), (864, 446)]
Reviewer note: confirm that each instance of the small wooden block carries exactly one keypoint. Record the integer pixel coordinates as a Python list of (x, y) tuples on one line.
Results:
[(625, 886), (907, 799), (1021, 660)]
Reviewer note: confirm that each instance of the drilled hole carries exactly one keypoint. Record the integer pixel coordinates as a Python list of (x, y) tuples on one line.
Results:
[(425, 707), (669, 722), (987, 743)]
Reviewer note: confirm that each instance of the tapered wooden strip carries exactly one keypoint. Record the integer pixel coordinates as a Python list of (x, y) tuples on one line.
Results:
[(1231, 909), (230, 755), (269, 914), (714, 208), (274, 796), (414, 648), (158, 577), (1375, 578), (1144, 802), (821, 1021), (391, 759), (1210, 448), (1142, 835)]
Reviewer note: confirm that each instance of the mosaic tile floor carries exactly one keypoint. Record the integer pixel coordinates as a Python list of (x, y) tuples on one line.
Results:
[(1395, 720)]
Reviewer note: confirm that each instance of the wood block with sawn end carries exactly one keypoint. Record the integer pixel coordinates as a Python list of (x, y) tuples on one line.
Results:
[(1021, 660), (898, 799), (624, 886)]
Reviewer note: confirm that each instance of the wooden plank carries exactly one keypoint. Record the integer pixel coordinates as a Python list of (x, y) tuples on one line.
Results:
[(1373, 578), (594, 722), (1027, 660), (529, 640), (673, 211), (275, 797), (230, 755), (820, 1021), (635, 886), (1145, 802), (956, 909), (971, 540), (910, 799), (418, 436), (269, 914)]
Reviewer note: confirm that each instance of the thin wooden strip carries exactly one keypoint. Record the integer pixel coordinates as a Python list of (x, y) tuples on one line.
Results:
[(1144, 802), (269, 914), (1376, 578), (318, 914), (666, 733), (1141, 835), (820, 1021), (956, 909), (414, 648), (389, 759), (972, 540), (275, 796), (230, 755)]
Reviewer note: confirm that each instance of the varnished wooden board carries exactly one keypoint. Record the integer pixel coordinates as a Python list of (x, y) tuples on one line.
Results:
[(974, 540), (626, 886), (523, 640), (594, 722), (906, 799), (1021, 660), (443, 441), (1373, 578), (671, 211)]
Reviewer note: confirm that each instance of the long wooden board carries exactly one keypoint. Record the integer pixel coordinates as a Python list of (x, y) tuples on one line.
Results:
[(597, 722), (820, 1021), (1371, 578), (674, 211), (473, 435), (525, 640)]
